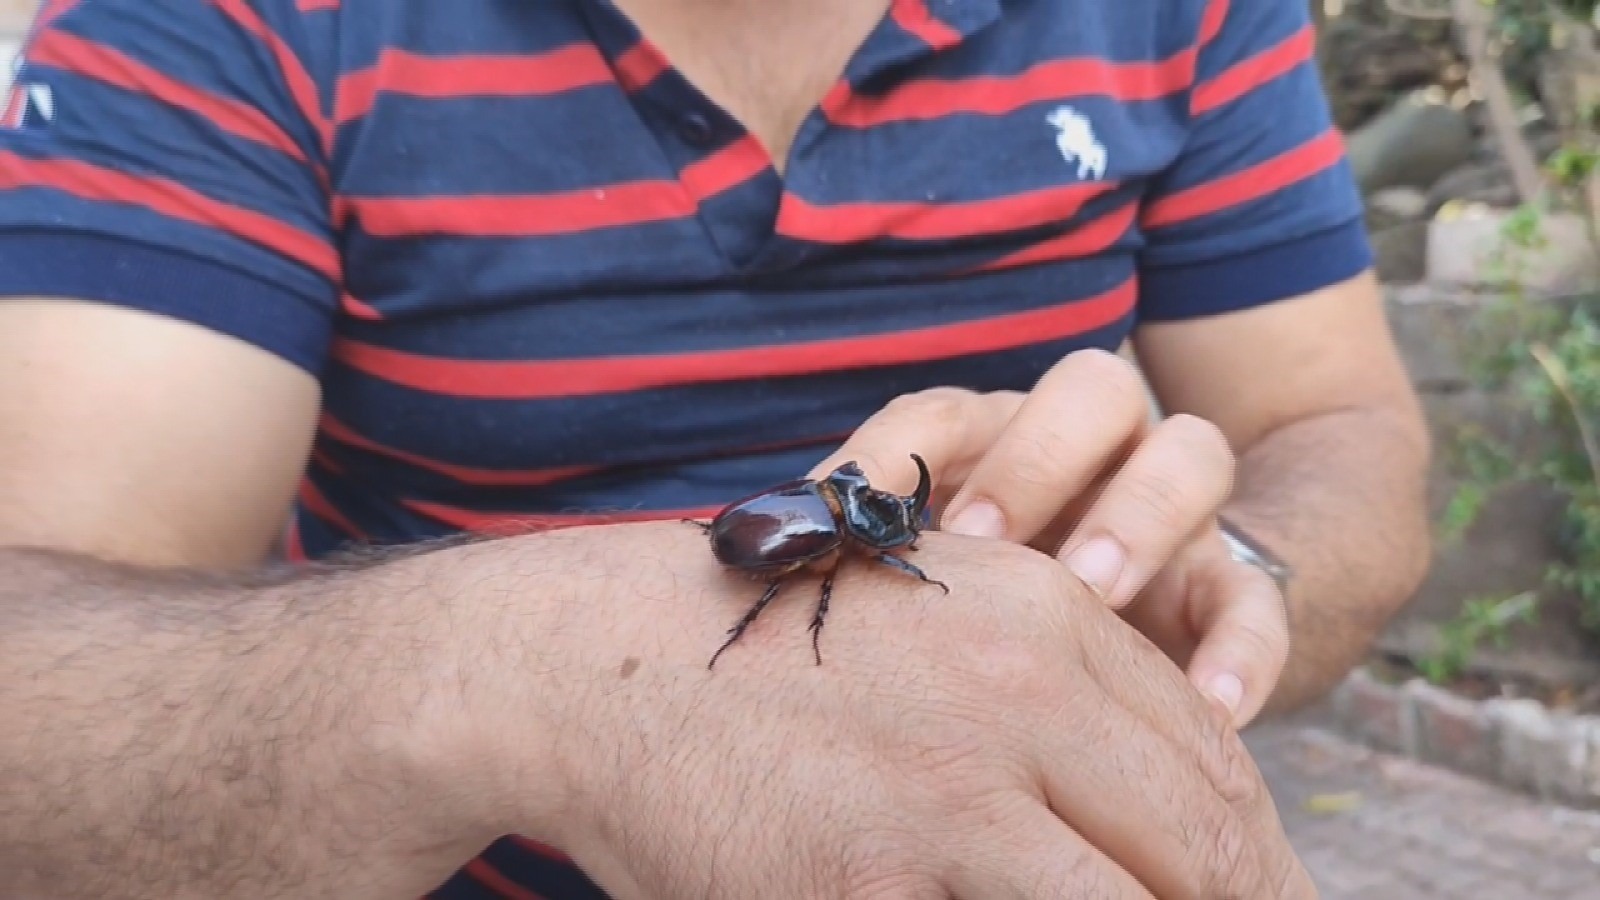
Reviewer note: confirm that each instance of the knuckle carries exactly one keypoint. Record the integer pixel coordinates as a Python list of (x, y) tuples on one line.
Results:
[(1114, 375), (1203, 439), (941, 405), (1159, 498), (1226, 762), (1014, 669), (1031, 462)]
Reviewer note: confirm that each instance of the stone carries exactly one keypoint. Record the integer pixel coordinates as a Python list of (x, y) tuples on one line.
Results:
[(1375, 712), (1591, 769), (1467, 247), (1400, 252), (1427, 326), (1399, 202), (1413, 143), (1541, 751), (1452, 731), (1487, 183)]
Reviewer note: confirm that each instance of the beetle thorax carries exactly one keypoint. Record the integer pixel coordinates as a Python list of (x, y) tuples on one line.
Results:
[(876, 518)]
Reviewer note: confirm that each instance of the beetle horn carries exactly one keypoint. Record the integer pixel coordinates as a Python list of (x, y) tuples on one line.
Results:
[(919, 498)]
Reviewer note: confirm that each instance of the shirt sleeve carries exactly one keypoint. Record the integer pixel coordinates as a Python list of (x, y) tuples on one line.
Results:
[(1261, 203), (168, 156)]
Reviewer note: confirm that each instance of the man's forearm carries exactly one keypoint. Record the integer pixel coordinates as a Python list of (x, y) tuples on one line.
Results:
[(1342, 499), (185, 737)]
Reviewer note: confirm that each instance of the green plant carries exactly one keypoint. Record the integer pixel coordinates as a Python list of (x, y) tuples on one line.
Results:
[(1544, 353), (1481, 619)]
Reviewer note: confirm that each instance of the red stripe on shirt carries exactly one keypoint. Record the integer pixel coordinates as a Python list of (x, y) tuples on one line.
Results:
[(1053, 81), (91, 182), (1247, 184), (294, 547), (728, 168), (344, 434), (1085, 240), (316, 5), (357, 308), (480, 871), (577, 377), (1216, 12), (438, 77), (301, 86), (104, 64), (640, 65), (477, 477), (509, 524), (16, 108), (1253, 72), (849, 222), (512, 215), (915, 17)]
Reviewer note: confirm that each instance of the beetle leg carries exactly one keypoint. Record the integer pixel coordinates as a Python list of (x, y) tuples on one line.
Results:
[(822, 612), (737, 630), (896, 562), (703, 526)]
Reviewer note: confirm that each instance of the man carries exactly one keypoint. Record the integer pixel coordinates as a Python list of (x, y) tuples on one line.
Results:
[(583, 268)]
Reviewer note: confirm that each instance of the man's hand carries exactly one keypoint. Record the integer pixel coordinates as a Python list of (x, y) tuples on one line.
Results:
[(1011, 739), (1076, 468)]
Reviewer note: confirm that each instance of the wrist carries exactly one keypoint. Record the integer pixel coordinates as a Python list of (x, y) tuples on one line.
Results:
[(418, 662), (502, 698)]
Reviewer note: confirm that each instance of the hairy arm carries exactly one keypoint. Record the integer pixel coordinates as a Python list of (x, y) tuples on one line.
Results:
[(191, 736), (179, 720), (1333, 457)]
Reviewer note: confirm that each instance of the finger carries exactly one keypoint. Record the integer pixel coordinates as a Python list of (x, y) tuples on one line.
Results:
[(948, 427), (1239, 614), (1033, 854), (1138, 678), (1144, 800), (1169, 488), (1076, 422)]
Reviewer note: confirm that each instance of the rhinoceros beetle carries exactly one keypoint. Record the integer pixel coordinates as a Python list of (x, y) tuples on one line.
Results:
[(811, 524)]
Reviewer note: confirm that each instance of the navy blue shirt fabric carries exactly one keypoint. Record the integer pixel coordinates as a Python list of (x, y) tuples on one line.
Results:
[(545, 281)]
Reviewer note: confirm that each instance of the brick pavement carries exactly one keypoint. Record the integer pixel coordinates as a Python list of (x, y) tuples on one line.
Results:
[(1416, 832)]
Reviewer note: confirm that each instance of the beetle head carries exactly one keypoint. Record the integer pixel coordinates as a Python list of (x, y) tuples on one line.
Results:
[(880, 518)]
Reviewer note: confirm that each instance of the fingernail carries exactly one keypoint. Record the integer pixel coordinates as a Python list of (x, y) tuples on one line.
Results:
[(1097, 564), (981, 519), (1228, 689)]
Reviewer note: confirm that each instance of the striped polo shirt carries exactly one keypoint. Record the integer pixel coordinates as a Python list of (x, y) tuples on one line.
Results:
[(544, 280)]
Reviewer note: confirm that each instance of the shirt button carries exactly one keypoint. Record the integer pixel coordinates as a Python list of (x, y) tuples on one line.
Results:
[(695, 128)]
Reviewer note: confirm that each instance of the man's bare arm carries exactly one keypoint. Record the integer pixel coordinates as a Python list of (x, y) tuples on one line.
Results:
[(1333, 458), (174, 731), (193, 736), (131, 436)]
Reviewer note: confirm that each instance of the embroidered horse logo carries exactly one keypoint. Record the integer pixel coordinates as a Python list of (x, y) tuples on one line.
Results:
[(1077, 143)]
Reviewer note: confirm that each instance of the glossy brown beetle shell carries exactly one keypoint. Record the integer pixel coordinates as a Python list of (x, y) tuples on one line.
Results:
[(782, 528)]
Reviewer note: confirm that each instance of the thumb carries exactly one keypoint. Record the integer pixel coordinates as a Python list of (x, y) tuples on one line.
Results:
[(1239, 614)]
